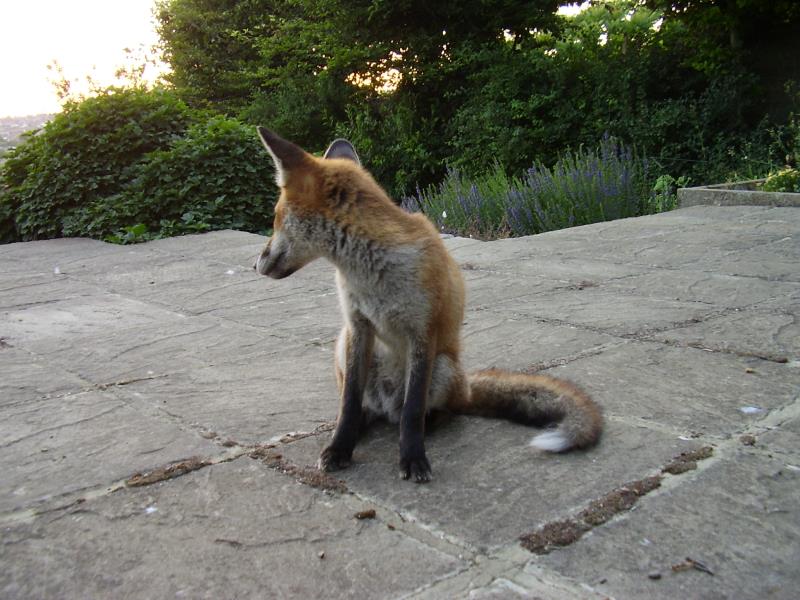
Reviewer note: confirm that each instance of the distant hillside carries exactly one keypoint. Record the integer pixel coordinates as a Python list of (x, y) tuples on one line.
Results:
[(11, 128)]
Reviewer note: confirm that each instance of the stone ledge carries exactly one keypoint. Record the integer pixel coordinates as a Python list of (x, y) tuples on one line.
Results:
[(743, 193)]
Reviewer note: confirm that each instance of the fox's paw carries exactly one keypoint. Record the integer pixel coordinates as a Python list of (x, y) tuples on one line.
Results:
[(334, 459), (417, 468)]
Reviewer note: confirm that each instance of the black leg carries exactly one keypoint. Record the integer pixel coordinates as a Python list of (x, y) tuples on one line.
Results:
[(413, 462), (359, 351)]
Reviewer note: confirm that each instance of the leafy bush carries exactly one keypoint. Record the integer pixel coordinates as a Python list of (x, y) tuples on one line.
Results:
[(216, 177), (664, 196), (586, 186), (84, 157), (131, 165), (787, 180), (611, 69)]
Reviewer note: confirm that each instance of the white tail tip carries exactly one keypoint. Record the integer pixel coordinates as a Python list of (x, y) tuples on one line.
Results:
[(551, 441)]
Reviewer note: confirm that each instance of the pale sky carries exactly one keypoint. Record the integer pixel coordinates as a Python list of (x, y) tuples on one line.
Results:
[(573, 8), (85, 36)]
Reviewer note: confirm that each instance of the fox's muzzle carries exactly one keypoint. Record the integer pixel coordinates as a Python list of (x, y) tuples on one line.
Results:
[(266, 262), (272, 264)]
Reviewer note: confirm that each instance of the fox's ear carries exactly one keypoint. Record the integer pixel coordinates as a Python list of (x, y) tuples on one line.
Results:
[(284, 153), (342, 149)]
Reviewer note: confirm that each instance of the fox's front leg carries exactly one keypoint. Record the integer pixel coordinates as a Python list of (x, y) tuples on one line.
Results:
[(359, 339), (413, 462)]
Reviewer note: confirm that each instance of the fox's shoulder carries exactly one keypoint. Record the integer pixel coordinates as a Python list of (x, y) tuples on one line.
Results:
[(360, 204)]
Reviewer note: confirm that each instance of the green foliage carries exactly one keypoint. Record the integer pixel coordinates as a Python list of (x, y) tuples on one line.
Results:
[(216, 177), (130, 235), (210, 45), (394, 144), (664, 196), (311, 69), (610, 71), (131, 165), (488, 81), (83, 159), (587, 186), (786, 180)]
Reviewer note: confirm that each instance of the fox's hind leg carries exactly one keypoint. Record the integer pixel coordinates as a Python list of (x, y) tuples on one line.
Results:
[(447, 381)]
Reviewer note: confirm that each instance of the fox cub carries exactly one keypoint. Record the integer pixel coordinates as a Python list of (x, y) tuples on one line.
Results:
[(402, 299)]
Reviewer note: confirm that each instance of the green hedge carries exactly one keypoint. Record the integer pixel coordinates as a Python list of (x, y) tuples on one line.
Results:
[(216, 177), (133, 164), (58, 180)]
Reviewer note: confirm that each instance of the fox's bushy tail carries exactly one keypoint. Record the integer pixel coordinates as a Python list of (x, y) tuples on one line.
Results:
[(535, 400)]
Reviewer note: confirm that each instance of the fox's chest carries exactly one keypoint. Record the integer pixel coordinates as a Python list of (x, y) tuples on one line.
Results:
[(396, 308)]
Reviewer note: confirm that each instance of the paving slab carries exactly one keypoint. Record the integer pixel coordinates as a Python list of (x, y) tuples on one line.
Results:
[(297, 307), (739, 517), (227, 246), (510, 488), (124, 359), (56, 446), (179, 282), (493, 339), (97, 313), (237, 530), (773, 260), (695, 392), (154, 350), (720, 291), (606, 310), (486, 287), (22, 290), (780, 436), (771, 335), (27, 377), (46, 255), (658, 243), (522, 262), (250, 402)]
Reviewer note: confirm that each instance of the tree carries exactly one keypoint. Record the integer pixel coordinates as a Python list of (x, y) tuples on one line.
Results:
[(760, 37), (491, 80), (313, 68)]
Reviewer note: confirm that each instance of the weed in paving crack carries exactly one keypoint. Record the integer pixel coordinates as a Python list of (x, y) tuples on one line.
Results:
[(306, 475), (623, 498), (597, 512), (558, 533), (687, 461), (167, 472)]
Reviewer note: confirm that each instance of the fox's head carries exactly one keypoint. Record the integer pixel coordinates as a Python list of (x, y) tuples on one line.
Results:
[(308, 199)]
